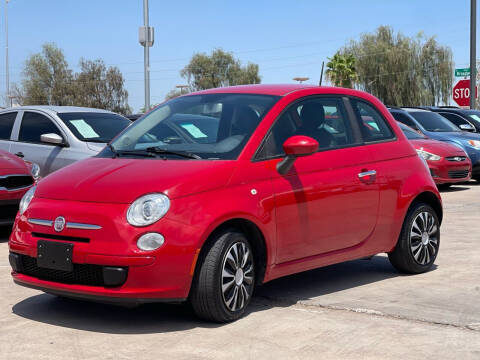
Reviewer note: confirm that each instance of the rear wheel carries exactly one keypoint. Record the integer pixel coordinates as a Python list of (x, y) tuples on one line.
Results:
[(419, 240), (225, 279)]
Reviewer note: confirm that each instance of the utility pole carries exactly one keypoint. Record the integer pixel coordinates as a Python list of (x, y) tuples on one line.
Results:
[(145, 37), (473, 52), (321, 74), (8, 99)]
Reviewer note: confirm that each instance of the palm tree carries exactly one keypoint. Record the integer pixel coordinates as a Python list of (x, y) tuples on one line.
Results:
[(341, 70)]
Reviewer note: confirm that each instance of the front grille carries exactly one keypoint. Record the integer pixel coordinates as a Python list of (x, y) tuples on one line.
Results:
[(60, 237), (13, 182), (457, 174), (456, 158), (82, 274)]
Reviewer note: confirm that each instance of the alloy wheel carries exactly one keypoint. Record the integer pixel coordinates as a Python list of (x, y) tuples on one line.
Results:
[(424, 238), (237, 276)]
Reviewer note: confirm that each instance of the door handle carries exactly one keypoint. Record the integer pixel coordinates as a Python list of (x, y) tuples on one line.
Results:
[(20, 154), (368, 176)]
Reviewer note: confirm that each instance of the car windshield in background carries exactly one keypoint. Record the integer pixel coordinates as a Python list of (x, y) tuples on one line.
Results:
[(212, 126), (409, 132), (434, 122), (94, 127), (474, 115)]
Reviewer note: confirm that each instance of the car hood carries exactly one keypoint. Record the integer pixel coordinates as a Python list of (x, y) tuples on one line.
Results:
[(10, 163), (437, 147), (107, 180), (454, 135)]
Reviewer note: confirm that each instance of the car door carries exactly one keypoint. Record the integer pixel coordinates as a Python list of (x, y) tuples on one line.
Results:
[(7, 122), (327, 201), (49, 157)]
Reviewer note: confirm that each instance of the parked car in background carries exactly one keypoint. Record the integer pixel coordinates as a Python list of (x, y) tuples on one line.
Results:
[(215, 192), (435, 126), (16, 177), (448, 163), (56, 136), (465, 119)]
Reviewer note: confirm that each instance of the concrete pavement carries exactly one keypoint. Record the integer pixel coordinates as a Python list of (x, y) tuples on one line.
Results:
[(357, 310)]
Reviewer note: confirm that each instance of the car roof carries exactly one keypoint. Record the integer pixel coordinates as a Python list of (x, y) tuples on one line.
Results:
[(57, 109), (412, 109), (263, 89)]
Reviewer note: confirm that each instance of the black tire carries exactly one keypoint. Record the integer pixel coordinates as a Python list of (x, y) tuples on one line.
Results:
[(416, 254), (208, 299)]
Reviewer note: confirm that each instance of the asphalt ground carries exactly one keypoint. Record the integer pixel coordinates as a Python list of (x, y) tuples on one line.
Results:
[(361, 309)]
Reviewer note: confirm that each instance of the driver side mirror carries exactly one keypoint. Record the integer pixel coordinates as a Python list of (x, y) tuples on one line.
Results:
[(52, 138), (296, 146), (467, 127)]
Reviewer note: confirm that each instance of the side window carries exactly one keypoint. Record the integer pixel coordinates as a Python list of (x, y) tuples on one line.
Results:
[(6, 125), (372, 125), (323, 119), (457, 120), (404, 119), (35, 124)]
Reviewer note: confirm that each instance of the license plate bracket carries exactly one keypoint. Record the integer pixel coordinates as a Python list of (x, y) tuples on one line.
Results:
[(55, 256)]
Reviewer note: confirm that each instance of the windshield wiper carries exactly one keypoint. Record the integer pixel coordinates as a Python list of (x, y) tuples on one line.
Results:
[(185, 154)]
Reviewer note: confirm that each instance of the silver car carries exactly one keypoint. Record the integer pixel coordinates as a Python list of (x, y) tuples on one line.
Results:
[(56, 136)]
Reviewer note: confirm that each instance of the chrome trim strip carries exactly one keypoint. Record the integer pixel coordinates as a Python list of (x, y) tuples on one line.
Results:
[(72, 225), (68, 225), (9, 175), (15, 189), (40, 222)]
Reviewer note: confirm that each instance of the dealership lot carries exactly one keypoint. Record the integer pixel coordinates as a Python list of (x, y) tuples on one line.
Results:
[(361, 307)]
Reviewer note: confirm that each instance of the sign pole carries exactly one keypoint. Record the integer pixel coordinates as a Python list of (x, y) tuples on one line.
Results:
[(473, 55)]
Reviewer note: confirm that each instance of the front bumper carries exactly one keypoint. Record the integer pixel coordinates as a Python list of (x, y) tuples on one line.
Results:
[(161, 275), (449, 172)]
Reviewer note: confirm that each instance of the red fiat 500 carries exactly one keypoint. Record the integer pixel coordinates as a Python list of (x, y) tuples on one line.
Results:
[(16, 177), (213, 193), (448, 163)]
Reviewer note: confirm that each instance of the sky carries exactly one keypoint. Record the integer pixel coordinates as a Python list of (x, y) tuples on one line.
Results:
[(286, 38)]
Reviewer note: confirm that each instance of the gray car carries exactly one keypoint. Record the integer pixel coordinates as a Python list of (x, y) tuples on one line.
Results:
[(56, 136)]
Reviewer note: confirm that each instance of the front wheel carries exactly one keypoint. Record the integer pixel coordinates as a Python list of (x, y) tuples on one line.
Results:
[(419, 240), (223, 284)]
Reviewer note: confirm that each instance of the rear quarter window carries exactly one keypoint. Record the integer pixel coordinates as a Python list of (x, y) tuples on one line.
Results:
[(372, 124)]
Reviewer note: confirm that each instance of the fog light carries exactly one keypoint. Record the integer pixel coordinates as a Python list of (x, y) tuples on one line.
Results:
[(150, 241)]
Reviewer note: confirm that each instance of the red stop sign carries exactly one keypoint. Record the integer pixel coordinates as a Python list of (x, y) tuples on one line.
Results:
[(461, 93)]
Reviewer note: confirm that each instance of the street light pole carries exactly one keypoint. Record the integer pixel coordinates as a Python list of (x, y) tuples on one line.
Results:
[(473, 50), (8, 100), (146, 56)]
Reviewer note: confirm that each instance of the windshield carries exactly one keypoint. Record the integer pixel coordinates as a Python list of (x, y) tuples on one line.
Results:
[(474, 115), (409, 132), (94, 127), (212, 126), (433, 122)]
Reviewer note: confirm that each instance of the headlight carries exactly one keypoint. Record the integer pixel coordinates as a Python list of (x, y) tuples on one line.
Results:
[(148, 209), (427, 156), (474, 143), (26, 200), (35, 171)]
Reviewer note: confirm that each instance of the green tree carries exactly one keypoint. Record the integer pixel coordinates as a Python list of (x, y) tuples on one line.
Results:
[(100, 87), (341, 70), (218, 69), (401, 70), (47, 79)]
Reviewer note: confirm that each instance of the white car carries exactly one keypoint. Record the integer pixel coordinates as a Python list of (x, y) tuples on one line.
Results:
[(56, 136)]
